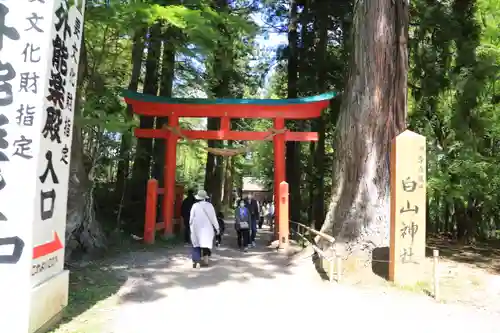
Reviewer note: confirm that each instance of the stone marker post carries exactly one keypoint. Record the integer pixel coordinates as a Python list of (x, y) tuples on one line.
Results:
[(408, 205), (39, 54), (283, 220)]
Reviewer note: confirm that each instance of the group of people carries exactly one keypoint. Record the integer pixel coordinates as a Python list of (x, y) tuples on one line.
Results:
[(249, 215), (267, 214), (202, 224)]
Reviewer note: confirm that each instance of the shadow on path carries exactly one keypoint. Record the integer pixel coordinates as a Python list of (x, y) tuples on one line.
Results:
[(90, 286), (163, 291), (485, 255), (153, 275)]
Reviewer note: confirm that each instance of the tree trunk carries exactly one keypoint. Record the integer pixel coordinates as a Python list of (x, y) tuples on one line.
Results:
[(467, 40), (166, 84), (210, 163), (221, 71), (447, 228), (319, 124), (373, 112), (214, 167), (228, 182), (144, 151), (311, 180), (83, 231), (293, 148), (319, 163), (126, 139), (307, 38), (460, 218), (216, 192)]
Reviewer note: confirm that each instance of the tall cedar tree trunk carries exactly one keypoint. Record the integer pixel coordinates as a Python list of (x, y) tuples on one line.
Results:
[(319, 124), (144, 150), (126, 139), (166, 85), (227, 190), (467, 40), (83, 231), (373, 112), (307, 38), (214, 170), (228, 182), (237, 176), (311, 179), (293, 168), (214, 165)]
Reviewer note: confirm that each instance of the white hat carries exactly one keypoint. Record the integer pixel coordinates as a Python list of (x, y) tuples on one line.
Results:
[(202, 195)]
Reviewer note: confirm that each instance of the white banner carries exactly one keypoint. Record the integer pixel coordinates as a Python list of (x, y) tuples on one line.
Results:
[(39, 54), (55, 146)]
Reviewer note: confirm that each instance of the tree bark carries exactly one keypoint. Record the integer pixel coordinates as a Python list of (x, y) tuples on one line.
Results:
[(214, 167), (307, 41), (293, 148), (83, 231), (319, 124), (221, 71), (126, 139), (166, 85), (142, 161), (228, 182), (311, 180), (467, 39), (446, 217), (373, 112)]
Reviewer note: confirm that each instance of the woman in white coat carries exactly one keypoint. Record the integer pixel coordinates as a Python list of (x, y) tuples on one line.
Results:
[(204, 226)]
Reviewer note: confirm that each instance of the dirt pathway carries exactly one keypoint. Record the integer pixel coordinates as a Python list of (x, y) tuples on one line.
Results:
[(259, 291)]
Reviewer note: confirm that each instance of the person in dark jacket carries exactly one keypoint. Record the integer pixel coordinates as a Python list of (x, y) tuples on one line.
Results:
[(253, 208), (222, 227), (242, 225), (186, 206)]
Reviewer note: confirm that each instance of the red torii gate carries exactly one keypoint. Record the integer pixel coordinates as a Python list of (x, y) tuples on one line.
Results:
[(226, 109)]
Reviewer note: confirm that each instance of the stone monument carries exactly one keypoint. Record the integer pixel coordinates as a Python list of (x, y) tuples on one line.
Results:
[(408, 206), (39, 54)]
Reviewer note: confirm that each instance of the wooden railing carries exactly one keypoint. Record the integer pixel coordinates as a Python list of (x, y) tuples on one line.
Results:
[(308, 234)]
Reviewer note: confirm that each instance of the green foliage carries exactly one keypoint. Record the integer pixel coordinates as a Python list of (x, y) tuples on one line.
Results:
[(199, 32), (190, 158), (453, 89), (454, 67)]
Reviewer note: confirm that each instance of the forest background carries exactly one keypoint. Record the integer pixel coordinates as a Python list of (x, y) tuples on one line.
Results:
[(233, 49)]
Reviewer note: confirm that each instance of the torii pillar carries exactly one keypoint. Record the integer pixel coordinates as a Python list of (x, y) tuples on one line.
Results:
[(279, 168)]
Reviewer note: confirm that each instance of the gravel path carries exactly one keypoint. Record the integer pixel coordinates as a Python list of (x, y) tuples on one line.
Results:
[(258, 291)]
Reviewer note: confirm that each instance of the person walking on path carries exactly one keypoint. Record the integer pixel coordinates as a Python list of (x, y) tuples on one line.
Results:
[(204, 226), (270, 214), (186, 206), (242, 225), (261, 213), (222, 228), (253, 209), (264, 211)]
